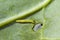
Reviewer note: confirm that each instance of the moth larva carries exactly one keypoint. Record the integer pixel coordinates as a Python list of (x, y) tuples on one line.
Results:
[(25, 21)]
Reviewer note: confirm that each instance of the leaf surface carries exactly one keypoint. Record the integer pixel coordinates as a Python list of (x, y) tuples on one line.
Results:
[(16, 31)]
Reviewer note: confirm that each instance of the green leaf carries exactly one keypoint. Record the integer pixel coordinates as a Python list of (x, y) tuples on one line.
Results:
[(52, 21), (11, 10)]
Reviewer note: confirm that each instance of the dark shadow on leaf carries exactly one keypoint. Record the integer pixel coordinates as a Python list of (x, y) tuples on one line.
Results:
[(7, 25), (49, 3)]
